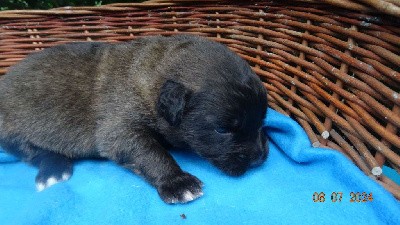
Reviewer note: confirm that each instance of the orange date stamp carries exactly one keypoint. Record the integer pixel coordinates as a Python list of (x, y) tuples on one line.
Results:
[(357, 197)]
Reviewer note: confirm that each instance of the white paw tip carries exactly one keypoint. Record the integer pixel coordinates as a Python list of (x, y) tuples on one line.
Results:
[(51, 181), (65, 176), (188, 196), (40, 187)]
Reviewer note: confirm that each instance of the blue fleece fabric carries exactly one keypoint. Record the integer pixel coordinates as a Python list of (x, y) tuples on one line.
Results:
[(279, 192)]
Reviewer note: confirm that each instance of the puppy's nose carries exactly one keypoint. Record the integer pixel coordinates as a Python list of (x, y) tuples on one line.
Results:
[(260, 160), (262, 151)]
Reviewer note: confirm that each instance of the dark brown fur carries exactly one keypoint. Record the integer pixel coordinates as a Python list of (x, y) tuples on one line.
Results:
[(128, 102)]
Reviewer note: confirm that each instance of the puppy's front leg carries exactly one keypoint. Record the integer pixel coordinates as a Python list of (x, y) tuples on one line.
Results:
[(140, 152)]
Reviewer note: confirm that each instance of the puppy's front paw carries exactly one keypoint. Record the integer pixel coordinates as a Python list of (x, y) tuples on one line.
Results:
[(180, 189)]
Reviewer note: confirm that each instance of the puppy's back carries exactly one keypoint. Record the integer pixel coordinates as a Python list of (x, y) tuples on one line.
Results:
[(47, 97), (55, 98)]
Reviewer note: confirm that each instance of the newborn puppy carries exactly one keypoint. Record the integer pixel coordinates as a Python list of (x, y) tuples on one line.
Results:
[(130, 102)]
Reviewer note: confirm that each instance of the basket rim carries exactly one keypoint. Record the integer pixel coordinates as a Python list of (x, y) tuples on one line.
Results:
[(387, 7)]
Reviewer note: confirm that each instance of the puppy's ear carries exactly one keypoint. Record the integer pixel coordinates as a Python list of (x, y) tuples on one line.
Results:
[(171, 102)]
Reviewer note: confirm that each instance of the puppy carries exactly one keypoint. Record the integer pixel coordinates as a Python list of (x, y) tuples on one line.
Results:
[(130, 102)]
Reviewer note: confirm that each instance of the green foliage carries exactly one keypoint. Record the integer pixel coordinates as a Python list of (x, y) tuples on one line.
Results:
[(48, 4)]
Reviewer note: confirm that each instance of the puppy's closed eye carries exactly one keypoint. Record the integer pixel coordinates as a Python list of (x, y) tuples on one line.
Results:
[(222, 130), (234, 126)]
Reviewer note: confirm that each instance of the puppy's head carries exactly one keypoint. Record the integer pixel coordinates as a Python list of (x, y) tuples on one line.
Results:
[(221, 121)]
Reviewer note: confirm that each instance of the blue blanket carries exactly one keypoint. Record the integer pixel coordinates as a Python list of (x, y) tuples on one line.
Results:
[(297, 185)]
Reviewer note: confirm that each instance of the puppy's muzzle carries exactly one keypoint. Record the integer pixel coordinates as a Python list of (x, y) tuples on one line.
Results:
[(262, 156), (261, 151)]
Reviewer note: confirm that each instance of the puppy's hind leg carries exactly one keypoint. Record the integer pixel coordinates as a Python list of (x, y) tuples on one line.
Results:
[(53, 167)]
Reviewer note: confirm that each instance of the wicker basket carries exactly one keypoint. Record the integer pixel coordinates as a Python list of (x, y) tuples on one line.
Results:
[(333, 70)]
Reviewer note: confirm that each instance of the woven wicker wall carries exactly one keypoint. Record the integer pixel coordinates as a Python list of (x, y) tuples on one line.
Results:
[(335, 71)]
